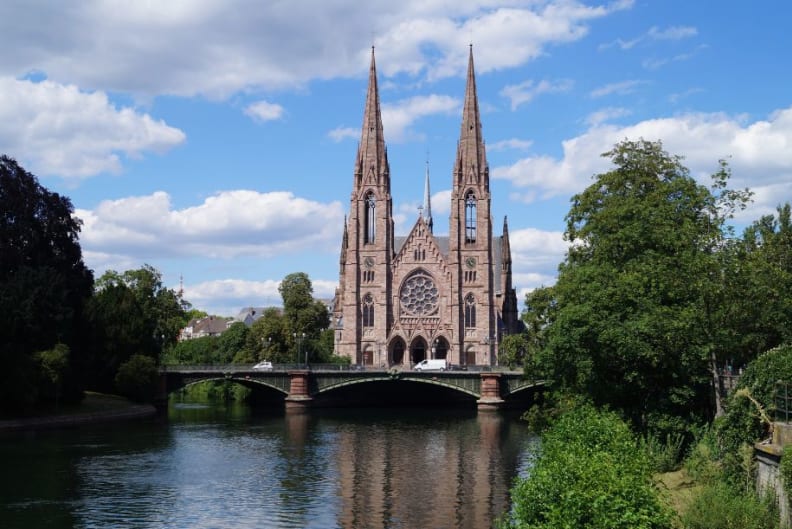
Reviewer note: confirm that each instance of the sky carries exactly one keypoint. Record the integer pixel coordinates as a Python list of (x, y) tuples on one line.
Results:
[(215, 140)]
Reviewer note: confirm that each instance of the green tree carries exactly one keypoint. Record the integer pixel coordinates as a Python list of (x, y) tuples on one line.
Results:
[(120, 329), (590, 473), (55, 367), (44, 284), (628, 325), (137, 378), (513, 350), (303, 314), (164, 308), (269, 337)]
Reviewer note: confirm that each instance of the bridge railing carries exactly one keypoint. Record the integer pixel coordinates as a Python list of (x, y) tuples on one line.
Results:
[(229, 368)]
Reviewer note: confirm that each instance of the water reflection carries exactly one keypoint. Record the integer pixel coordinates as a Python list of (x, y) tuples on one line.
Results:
[(230, 467)]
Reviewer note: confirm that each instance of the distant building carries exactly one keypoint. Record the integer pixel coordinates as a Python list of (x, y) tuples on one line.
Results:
[(206, 326), (401, 300), (249, 314)]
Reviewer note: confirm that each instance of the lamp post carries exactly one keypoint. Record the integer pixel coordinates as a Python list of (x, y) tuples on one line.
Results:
[(299, 338)]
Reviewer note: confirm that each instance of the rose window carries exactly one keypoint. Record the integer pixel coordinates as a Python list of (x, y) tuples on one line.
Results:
[(419, 295)]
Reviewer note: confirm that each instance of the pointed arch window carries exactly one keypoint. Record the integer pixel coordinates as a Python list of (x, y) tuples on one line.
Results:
[(470, 217), (371, 218), (470, 311), (368, 311)]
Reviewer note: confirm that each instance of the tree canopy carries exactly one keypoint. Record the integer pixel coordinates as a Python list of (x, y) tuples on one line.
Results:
[(628, 324), (44, 283)]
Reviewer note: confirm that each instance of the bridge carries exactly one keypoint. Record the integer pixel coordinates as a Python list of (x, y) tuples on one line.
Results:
[(328, 385)]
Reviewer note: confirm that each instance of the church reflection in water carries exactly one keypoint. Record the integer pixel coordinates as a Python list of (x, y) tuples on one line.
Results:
[(431, 471)]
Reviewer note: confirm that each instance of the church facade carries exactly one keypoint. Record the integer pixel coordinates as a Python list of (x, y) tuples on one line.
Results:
[(403, 299)]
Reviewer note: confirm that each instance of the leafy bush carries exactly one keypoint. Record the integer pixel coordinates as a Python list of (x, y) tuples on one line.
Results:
[(590, 473), (722, 506), (743, 423), (664, 456), (137, 378)]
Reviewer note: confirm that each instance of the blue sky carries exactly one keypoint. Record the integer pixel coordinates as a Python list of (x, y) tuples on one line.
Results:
[(215, 139)]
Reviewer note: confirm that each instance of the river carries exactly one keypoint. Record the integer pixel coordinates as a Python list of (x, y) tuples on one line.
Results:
[(210, 466)]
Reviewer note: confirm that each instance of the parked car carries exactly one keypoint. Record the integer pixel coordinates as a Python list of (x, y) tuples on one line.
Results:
[(434, 364), (265, 365)]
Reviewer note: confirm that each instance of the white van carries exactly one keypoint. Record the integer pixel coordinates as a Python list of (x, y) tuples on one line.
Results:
[(435, 364)]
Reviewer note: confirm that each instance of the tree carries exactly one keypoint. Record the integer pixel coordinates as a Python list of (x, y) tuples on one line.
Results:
[(137, 378), (628, 325), (44, 283), (164, 308), (303, 314), (269, 337)]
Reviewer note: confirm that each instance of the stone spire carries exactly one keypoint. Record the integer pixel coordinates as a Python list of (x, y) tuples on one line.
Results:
[(372, 161), (471, 162), (344, 245), (506, 259), (427, 203)]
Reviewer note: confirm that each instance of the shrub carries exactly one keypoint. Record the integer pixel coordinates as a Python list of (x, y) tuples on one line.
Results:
[(137, 378), (590, 473), (722, 506)]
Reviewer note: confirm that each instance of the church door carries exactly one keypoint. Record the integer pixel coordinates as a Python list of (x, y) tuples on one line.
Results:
[(418, 350)]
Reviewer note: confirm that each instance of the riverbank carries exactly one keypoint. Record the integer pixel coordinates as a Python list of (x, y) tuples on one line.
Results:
[(95, 408)]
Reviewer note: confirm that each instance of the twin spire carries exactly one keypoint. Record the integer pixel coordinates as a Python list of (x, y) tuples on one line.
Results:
[(372, 160), (470, 167)]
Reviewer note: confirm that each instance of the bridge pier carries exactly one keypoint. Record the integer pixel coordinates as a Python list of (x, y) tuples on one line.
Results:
[(299, 397), (490, 392)]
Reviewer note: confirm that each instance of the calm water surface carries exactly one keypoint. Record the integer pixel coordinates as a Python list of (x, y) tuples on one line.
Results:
[(217, 467)]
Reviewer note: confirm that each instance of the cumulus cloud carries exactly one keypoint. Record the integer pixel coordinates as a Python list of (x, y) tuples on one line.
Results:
[(60, 130), (226, 296), (226, 225), (263, 111), (606, 114), (341, 133), (759, 152), (205, 47), (398, 117), (526, 91), (511, 143)]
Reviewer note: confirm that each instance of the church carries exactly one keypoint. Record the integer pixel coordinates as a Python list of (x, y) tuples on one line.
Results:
[(403, 299)]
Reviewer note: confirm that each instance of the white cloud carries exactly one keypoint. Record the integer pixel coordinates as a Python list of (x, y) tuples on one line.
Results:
[(206, 48), (672, 33), (654, 33), (227, 225), (620, 88), (759, 153), (225, 297), (398, 117), (526, 91), (264, 111), (341, 133), (59, 130), (606, 114), (512, 143)]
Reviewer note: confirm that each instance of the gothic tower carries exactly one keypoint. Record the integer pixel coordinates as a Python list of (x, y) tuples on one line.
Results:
[(367, 251), (470, 236)]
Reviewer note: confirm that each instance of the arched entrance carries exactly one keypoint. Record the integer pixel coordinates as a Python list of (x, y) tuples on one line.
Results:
[(417, 350), (440, 348), (368, 355), (396, 356), (469, 358)]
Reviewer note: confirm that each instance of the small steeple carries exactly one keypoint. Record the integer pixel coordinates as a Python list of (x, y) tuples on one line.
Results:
[(471, 161), (344, 245), (506, 248), (372, 159), (427, 203)]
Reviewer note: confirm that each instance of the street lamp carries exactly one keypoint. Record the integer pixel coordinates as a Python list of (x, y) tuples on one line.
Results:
[(299, 338)]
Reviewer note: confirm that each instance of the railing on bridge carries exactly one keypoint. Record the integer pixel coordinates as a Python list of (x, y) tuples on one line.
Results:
[(227, 368)]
